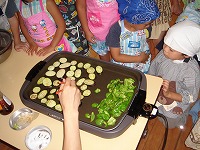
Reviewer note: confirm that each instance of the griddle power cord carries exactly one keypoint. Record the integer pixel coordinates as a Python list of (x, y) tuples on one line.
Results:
[(151, 111), (166, 129)]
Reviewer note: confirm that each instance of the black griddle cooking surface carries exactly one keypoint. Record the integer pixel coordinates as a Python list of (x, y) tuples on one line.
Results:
[(110, 71)]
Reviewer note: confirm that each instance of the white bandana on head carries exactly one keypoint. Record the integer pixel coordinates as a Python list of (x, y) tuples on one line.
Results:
[(184, 37)]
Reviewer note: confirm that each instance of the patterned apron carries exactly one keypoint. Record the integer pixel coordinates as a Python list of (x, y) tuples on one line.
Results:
[(42, 29), (74, 31)]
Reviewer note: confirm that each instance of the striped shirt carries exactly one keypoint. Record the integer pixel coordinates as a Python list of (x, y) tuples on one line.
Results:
[(186, 76)]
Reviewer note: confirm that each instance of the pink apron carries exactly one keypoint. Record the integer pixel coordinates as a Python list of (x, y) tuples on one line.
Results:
[(42, 29), (101, 15)]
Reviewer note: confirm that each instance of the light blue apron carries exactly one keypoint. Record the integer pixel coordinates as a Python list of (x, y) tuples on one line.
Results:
[(133, 43)]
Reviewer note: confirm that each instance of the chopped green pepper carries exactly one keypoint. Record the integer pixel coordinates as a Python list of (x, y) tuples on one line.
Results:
[(116, 101)]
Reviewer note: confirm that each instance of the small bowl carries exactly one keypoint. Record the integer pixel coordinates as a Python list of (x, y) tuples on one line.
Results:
[(38, 138), (22, 118), (5, 45)]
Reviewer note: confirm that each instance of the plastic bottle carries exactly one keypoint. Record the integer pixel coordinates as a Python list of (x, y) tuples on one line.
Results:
[(6, 106)]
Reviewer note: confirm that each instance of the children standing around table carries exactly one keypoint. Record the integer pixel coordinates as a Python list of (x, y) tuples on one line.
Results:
[(179, 71), (127, 39), (10, 20), (43, 26), (96, 18)]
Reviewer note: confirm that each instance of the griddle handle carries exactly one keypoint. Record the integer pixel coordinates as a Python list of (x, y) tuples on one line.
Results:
[(35, 70), (137, 104)]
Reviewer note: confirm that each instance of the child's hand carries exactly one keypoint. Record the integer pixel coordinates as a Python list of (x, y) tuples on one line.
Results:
[(32, 48), (69, 97), (143, 57), (24, 46), (90, 37), (165, 88), (45, 50)]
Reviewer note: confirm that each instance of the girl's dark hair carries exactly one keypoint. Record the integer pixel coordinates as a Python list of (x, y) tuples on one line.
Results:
[(25, 2)]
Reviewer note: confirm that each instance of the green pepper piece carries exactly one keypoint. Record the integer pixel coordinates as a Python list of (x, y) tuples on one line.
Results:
[(97, 90), (87, 115), (94, 105), (99, 122), (92, 117), (111, 121)]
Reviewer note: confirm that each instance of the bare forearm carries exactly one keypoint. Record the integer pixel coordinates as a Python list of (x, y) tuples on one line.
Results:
[(175, 96), (14, 24), (127, 58), (71, 132), (81, 9), (60, 22)]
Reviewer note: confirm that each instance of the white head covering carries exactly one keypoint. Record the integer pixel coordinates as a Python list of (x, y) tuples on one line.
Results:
[(184, 37)]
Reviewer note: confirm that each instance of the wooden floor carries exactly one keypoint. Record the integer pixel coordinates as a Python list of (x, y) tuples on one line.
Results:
[(175, 139)]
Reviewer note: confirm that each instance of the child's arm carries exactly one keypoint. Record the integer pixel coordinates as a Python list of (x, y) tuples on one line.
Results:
[(117, 56), (14, 25), (169, 94), (176, 7), (61, 27), (81, 9), (32, 45)]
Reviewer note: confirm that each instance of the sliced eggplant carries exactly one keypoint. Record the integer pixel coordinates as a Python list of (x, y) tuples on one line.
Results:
[(43, 100), (80, 82), (50, 73), (83, 87), (86, 92), (51, 96), (73, 62), (47, 82), (33, 96), (65, 65), (87, 65), (89, 82), (42, 94), (36, 89), (56, 63), (92, 76), (51, 103), (63, 60), (58, 107), (90, 70), (60, 73), (40, 80), (56, 83), (99, 69), (77, 73), (70, 73), (52, 91), (50, 68), (80, 65), (72, 68)]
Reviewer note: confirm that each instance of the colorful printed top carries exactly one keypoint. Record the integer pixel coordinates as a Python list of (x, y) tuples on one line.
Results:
[(74, 31), (101, 15)]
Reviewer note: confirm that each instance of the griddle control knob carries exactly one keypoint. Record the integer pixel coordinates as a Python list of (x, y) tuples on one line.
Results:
[(149, 111)]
